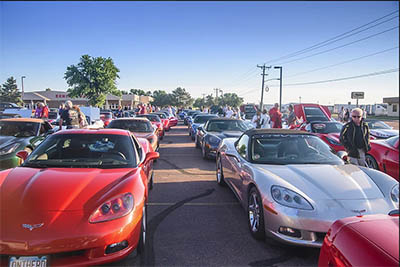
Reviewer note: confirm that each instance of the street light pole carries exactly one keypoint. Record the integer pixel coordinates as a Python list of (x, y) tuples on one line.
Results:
[(22, 85), (280, 86)]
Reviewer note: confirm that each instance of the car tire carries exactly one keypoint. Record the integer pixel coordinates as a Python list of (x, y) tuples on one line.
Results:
[(196, 141), (143, 231), (220, 174), (193, 136), (204, 152), (255, 215), (371, 162)]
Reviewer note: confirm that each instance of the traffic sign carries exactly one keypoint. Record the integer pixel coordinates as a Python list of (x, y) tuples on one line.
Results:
[(357, 95)]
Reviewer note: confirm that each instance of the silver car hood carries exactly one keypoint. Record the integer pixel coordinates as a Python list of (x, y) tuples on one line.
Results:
[(322, 182)]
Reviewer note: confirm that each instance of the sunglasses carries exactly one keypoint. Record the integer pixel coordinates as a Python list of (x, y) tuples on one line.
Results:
[(356, 116)]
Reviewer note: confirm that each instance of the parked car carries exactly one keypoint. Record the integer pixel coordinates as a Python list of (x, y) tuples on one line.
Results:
[(293, 187), (307, 113), (188, 116), (6, 105), (173, 121), (106, 117), (328, 131), (78, 199), (164, 119), (140, 127), (156, 121), (200, 120), (384, 156), (371, 240), (20, 134), (380, 130), (214, 131)]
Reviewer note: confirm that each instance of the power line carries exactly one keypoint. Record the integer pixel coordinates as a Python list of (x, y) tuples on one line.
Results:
[(337, 47), (331, 39), (343, 62), (333, 80), (346, 78)]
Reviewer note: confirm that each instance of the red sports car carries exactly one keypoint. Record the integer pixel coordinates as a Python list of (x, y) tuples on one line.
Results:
[(164, 120), (79, 199), (156, 121), (384, 156), (328, 131), (140, 127), (371, 240)]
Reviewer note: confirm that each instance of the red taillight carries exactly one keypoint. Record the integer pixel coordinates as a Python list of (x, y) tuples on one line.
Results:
[(114, 208)]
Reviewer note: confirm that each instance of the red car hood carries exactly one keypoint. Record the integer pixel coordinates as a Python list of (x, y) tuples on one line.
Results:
[(142, 135), (58, 189)]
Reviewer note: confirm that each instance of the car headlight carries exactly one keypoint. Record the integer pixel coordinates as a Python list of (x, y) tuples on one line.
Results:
[(114, 208), (9, 149), (333, 142), (214, 140), (394, 194), (289, 198)]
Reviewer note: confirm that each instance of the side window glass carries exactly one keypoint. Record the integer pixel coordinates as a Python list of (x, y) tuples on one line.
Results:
[(138, 148), (242, 146)]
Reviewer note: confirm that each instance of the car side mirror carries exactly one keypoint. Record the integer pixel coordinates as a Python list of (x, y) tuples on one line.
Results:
[(22, 154), (344, 156), (200, 128), (151, 156)]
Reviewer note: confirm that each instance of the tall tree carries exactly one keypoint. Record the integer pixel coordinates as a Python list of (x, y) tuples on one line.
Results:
[(161, 98), (180, 97), (199, 102), (93, 78), (9, 91), (210, 101), (231, 99)]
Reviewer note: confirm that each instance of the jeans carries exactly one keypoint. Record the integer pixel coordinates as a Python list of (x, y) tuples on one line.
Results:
[(359, 161)]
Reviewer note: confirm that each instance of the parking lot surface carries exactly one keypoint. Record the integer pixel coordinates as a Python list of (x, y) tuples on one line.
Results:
[(194, 222)]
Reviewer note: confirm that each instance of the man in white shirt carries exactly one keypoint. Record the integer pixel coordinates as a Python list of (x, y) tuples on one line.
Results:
[(229, 112), (265, 120)]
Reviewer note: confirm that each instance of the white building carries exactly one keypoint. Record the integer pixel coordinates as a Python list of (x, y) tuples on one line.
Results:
[(393, 106)]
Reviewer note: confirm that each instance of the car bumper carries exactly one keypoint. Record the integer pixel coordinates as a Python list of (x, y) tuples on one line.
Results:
[(85, 245), (9, 161)]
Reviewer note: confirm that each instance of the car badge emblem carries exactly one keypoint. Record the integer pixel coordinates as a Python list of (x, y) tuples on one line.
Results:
[(359, 211), (31, 227)]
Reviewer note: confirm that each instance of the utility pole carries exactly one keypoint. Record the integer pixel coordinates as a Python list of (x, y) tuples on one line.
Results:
[(216, 95), (263, 67), (280, 86), (22, 84)]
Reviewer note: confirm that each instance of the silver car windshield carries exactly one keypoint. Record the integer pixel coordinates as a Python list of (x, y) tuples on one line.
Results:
[(231, 125), (291, 149), (84, 151)]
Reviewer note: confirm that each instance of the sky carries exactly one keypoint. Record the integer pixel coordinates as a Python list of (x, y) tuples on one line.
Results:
[(200, 46)]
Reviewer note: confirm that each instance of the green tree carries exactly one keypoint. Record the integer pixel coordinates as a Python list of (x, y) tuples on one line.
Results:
[(93, 78), (180, 97), (199, 102), (139, 92), (230, 99), (210, 101), (9, 91), (161, 98)]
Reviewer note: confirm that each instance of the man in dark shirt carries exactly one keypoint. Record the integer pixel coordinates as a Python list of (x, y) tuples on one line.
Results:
[(355, 138), (70, 116)]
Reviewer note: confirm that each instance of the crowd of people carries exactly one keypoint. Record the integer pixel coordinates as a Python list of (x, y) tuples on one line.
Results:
[(344, 115)]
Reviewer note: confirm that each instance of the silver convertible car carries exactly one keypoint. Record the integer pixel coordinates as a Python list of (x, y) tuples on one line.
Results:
[(294, 187)]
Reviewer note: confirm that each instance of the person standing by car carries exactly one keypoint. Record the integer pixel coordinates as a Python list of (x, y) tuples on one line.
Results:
[(355, 138), (257, 120), (70, 116), (276, 116), (265, 120), (292, 119)]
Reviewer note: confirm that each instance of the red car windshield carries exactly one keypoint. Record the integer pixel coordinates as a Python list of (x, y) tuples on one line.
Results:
[(84, 151)]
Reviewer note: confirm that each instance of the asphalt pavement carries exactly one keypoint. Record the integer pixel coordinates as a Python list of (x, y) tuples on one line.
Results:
[(194, 222)]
